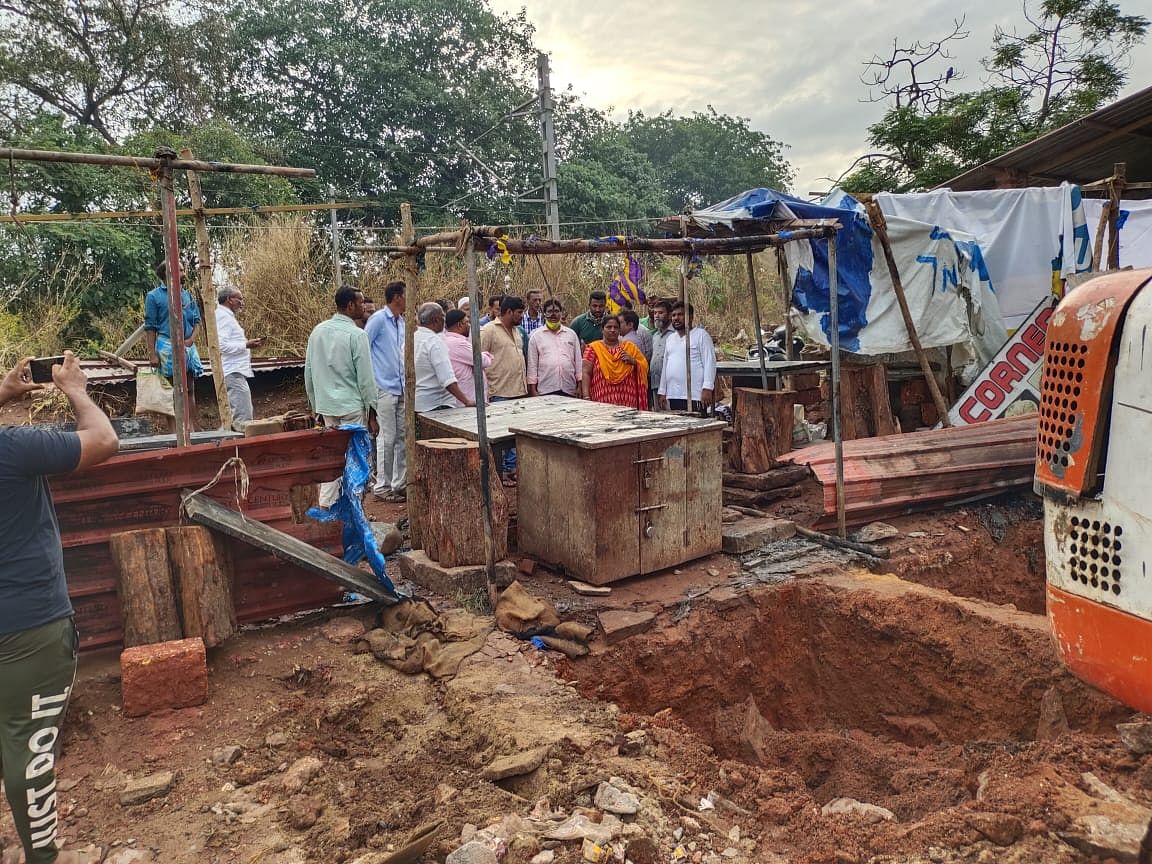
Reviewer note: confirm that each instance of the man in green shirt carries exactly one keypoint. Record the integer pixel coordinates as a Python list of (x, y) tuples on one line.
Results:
[(338, 373), (588, 324)]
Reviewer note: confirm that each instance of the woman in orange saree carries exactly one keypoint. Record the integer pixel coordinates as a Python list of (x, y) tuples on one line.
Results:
[(615, 372)]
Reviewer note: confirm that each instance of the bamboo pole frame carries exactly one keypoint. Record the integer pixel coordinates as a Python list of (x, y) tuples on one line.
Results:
[(152, 215)]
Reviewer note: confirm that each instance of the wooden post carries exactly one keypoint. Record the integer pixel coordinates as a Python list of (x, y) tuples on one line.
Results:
[(208, 294), (411, 284), (865, 411), (144, 583), (756, 321), (334, 230), (454, 528), (762, 428), (202, 571), (1101, 228), (880, 226), (1115, 191), (837, 432), (485, 451), (786, 291), (684, 262), (182, 408)]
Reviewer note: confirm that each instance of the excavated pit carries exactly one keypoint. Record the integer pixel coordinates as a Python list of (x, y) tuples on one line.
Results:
[(866, 686)]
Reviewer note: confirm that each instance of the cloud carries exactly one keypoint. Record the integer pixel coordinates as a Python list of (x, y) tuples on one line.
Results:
[(793, 69)]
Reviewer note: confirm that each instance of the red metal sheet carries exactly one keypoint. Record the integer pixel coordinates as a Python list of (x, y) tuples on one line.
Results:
[(142, 490)]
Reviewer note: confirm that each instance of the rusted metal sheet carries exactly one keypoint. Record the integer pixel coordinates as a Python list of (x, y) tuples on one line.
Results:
[(100, 372), (142, 490), (896, 474)]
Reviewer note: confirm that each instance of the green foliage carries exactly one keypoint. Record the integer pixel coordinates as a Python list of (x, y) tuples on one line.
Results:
[(1070, 62), (707, 157)]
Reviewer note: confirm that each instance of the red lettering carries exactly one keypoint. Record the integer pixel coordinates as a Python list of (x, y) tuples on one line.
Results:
[(991, 395), (966, 412), (1004, 375), (1042, 318), (1033, 337), (1022, 357)]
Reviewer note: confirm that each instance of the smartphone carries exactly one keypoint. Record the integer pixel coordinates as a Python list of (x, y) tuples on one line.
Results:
[(41, 368)]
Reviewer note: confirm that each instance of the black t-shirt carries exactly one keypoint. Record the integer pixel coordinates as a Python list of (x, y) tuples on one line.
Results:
[(33, 590)]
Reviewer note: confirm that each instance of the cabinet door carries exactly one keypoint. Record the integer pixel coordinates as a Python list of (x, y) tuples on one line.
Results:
[(612, 475), (661, 477)]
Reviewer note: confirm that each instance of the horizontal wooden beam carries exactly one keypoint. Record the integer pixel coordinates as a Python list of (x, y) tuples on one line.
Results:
[(150, 163), (258, 209)]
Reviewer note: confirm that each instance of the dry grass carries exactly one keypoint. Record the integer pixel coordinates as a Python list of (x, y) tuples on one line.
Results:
[(36, 315)]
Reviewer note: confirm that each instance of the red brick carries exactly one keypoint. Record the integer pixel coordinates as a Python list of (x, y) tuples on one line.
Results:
[(809, 397), (806, 381), (929, 414), (163, 675), (913, 392)]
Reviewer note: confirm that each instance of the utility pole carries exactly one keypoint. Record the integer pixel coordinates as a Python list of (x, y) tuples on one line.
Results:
[(548, 136), (334, 236)]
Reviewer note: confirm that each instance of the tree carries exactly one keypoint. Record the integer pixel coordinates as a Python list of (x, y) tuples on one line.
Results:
[(1071, 61), (707, 157), (606, 180), (110, 65)]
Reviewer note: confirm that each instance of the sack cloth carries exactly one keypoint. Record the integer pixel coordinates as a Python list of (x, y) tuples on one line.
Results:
[(153, 393)]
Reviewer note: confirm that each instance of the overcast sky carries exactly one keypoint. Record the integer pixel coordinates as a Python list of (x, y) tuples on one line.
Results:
[(792, 68)]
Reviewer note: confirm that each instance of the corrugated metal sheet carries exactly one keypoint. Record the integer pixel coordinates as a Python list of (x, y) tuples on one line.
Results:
[(897, 474), (142, 490), (100, 372), (1084, 151)]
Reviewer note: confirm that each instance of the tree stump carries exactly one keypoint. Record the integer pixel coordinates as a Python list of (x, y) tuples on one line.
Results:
[(452, 513), (202, 569), (762, 430), (144, 583), (865, 410)]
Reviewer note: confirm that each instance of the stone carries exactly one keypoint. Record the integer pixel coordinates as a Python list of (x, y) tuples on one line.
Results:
[(515, 765), (163, 675), (527, 566), (304, 812), (594, 852), (634, 743), (545, 857), (275, 739), (727, 514), (580, 827), (1053, 721), (343, 630), (619, 624), (146, 788), (852, 807), (469, 579), (874, 532), (227, 755), (730, 852), (474, 852), (300, 773), (613, 800), (1136, 736), (1003, 829), (388, 538), (129, 856), (748, 534), (586, 590)]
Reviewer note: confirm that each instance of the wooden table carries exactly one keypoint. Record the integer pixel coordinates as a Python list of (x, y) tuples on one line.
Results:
[(607, 493), (746, 373)]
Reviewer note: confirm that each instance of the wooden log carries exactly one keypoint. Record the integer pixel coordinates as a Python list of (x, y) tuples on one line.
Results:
[(750, 497), (785, 475), (762, 430), (452, 518), (865, 409), (144, 583), (202, 571)]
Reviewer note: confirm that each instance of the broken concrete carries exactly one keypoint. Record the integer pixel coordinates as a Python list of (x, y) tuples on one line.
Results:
[(748, 534), (515, 765), (1136, 736), (619, 624), (586, 590), (469, 579), (852, 807), (146, 788)]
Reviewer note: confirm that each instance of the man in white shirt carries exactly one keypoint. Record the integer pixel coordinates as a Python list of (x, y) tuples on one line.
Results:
[(673, 378), (235, 355), (554, 362), (436, 385)]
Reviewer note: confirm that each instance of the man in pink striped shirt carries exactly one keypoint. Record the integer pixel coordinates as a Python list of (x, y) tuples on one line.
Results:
[(460, 353), (554, 362)]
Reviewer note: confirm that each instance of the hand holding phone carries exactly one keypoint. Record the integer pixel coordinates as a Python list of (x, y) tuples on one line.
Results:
[(41, 368)]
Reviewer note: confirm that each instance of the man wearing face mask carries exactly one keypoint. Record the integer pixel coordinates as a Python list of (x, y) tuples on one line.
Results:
[(554, 362)]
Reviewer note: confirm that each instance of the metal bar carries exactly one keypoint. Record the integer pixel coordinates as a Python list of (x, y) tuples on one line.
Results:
[(154, 163), (90, 216), (756, 321), (181, 406), (645, 461), (651, 507), (837, 431), (481, 411), (209, 304), (334, 228)]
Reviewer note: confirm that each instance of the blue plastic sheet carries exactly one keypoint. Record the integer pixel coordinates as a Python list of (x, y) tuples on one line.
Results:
[(358, 539)]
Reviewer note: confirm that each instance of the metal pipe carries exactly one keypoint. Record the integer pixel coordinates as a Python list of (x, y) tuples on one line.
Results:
[(481, 414), (151, 163), (756, 318), (181, 408), (837, 432)]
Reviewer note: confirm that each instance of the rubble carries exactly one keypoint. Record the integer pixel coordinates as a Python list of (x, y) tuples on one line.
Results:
[(146, 788)]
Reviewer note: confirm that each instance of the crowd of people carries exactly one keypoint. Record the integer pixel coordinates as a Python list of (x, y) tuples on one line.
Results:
[(354, 368)]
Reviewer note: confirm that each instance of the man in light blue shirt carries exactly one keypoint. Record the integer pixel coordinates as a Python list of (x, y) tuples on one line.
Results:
[(385, 330)]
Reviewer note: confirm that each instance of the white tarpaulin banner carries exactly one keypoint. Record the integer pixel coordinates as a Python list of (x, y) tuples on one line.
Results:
[(1022, 234), (1135, 229)]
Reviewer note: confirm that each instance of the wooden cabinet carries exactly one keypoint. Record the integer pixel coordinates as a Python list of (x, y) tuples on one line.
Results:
[(606, 501)]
